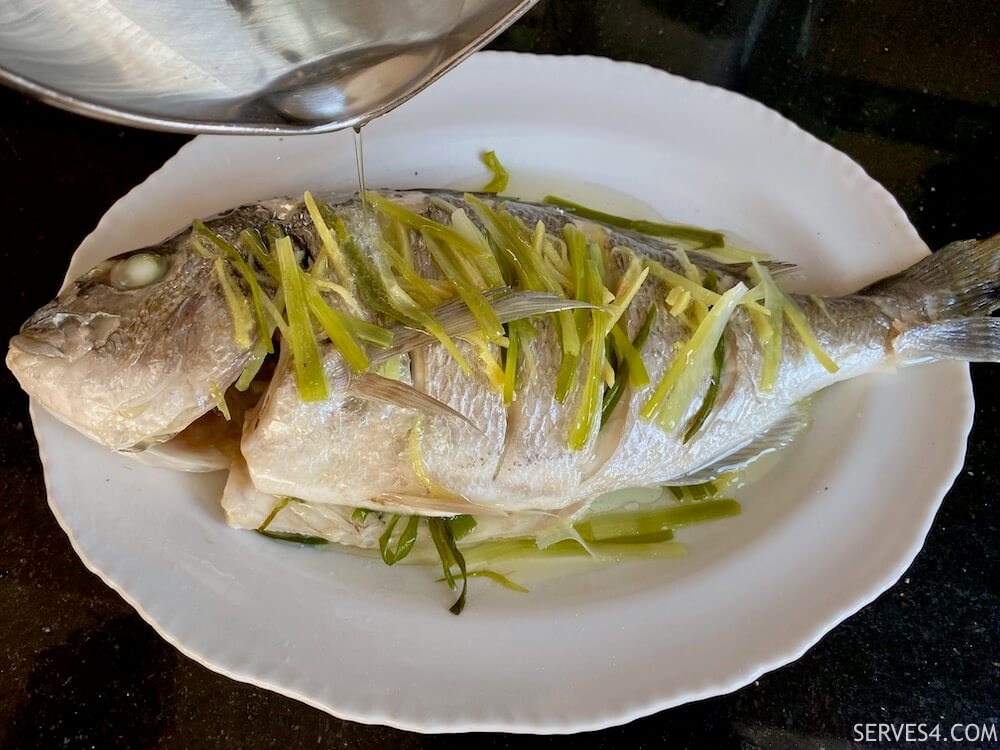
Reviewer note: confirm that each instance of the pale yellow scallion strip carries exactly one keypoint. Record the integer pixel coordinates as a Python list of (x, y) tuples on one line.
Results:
[(608, 374), (491, 368), (697, 291), (821, 304), (236, 303), (690, 269), (631, 282), (554, 273), (795, 317), (306, 361), (273, 310), (773, 341), (199, 246), (462, 224), (466, 288), (330, 244), (681, 302), (425, 293), (556, 260), (588, 413), (570, 333), (220, 401), (340, 291), (803, 329), (675, 392), (433, 488), (762, 328)]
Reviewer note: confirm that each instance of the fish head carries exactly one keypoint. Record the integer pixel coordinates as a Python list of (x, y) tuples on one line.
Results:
[(133, 350)]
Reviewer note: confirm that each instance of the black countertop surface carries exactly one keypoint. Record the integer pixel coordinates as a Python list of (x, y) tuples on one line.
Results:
[(910, 90)]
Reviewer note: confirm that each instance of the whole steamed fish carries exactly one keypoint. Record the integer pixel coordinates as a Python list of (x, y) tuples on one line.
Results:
[(449, 355)]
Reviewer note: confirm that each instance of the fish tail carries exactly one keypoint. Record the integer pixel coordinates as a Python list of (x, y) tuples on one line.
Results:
[(960, 280), (967, 339), (956, 289)]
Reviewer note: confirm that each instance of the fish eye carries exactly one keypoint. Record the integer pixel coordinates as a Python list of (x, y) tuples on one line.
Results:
[(138, 270)]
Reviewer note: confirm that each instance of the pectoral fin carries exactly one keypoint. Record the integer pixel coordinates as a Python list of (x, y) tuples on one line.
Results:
[(395, 392), (774, 438)]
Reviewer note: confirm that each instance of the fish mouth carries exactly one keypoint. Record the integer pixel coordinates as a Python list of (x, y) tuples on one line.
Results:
[(39, 347)]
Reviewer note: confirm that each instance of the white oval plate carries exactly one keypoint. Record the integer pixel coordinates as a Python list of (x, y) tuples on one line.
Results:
[(834, 525)]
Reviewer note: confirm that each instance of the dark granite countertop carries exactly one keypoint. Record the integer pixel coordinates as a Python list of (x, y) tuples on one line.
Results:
[(910, 90)]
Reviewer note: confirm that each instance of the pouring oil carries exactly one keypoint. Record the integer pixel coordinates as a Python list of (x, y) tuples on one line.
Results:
[(359, 157)]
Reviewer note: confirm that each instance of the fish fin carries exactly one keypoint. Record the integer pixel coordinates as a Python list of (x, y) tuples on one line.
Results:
[(457, 320), (397, 393), (961, 280), (779, 435), (968, 339)]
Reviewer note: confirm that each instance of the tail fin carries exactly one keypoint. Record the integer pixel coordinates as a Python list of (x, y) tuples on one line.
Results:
[(961, 280), (968, 339)]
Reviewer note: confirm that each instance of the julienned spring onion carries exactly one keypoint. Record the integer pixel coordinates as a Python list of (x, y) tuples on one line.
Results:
[(477, 250), (309, 374), (692, 365), (776, 300), (498, 578), (332, 322), (773, 339), (526, 549), (576, 248), (461, 526), (674, 279), (416, 456), (710, 282), (427, 292), (391, 554), (232, 255), (379, 286), (500, 175), (469, 289), (798, 321), (274, 311), (627, 352), (220, 400), (613, 395), (711, 393), (444, 541), (236, 303), (286, 536), (254, 247), (821, 304), (521, 256), (588, 412), (291, 536), (695, 235), (649, 525), (329, 242)]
